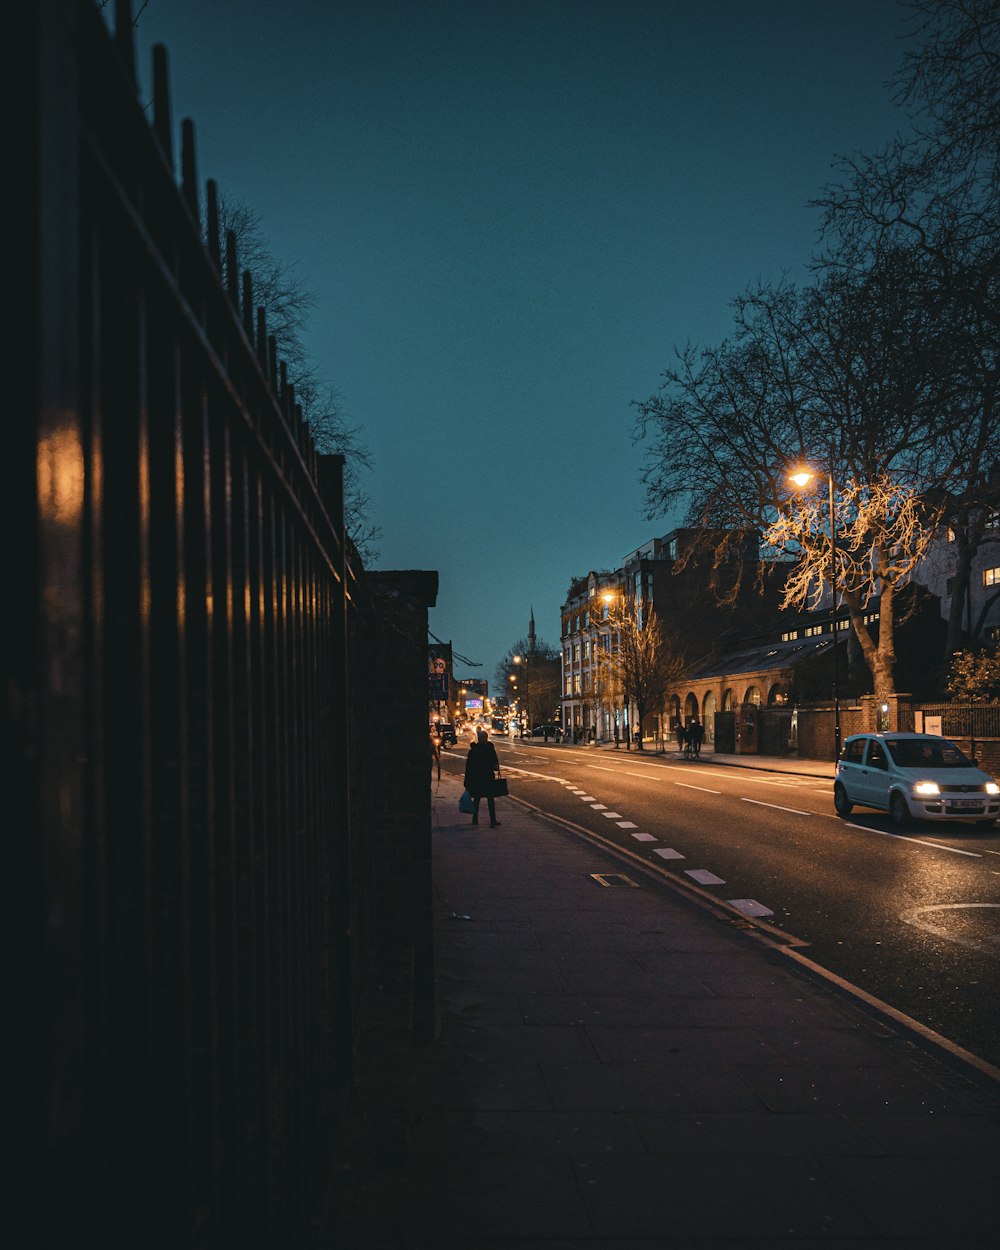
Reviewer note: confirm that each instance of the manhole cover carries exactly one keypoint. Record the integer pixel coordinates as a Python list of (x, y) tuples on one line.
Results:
[(614, 879)]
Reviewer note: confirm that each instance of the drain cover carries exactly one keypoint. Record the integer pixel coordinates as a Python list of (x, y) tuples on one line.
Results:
[(614, 879)]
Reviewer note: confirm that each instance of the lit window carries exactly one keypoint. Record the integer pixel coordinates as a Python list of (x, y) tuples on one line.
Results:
[(991, 577)]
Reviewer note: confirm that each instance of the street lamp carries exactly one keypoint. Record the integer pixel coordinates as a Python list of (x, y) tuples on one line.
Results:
[(802, 478), (610, 597), (523, 659)]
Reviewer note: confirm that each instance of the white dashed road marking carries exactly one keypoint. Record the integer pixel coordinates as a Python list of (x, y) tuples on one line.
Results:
[(704, 877), (612, 815), (750, 907), (627, 824), (849, 824), (703, 789), (646, 837), (794, 810), (668, 852)]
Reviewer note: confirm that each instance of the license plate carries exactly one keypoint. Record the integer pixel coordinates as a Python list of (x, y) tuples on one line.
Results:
[(966, 803)]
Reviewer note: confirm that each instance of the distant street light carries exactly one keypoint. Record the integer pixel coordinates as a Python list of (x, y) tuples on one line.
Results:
[(523, 659), (802, 478), (610, 597)]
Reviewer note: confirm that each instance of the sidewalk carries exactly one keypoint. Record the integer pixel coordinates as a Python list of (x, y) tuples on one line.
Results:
[(769, 763), (621, 1066)]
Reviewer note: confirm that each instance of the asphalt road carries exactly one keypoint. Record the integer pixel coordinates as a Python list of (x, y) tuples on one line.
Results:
[(910, 918)]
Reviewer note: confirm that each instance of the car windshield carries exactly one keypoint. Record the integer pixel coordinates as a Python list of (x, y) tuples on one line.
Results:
[(915, 753)]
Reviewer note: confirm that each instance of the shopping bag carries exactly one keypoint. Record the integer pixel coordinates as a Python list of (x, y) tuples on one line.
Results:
[(499, 786), (467, 804)]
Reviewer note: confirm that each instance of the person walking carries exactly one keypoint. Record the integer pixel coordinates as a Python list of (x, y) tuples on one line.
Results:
[(481, 767), (696, 733)]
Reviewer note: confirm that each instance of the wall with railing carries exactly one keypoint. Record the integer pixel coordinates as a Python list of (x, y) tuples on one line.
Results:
[(188, 678)]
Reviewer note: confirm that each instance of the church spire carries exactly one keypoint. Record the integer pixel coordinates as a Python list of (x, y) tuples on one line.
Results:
[(531, 632)]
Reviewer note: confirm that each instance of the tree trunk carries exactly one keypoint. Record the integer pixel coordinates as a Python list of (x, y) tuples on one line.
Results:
[(880, 656), (960, 586)]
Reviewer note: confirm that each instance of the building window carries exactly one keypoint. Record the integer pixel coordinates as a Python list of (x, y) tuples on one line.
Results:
[(991, 577), (813, 631), (752, 696), (790, 636)]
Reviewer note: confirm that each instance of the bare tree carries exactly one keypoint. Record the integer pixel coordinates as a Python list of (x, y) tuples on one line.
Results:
[(847, 375), (640, 665), (935, 194), (537, 674), (287, 303)]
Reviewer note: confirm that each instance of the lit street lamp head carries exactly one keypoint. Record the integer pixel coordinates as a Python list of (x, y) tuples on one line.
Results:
[(802, 477)]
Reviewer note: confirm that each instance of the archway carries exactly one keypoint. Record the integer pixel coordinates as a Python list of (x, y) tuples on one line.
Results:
[(708, 714), (674, 713)]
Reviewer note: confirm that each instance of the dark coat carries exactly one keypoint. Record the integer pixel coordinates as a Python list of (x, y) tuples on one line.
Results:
[(480, 769)]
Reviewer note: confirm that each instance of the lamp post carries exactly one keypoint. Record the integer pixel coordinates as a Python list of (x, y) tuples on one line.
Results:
[(610, 597), (523, 659), (802, 478)]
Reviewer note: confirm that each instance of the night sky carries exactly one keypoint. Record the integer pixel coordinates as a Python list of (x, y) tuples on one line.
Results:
[(510, 215)]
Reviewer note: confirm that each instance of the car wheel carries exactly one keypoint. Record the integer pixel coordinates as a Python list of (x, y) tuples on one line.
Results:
[(899, 811), (841, 802)]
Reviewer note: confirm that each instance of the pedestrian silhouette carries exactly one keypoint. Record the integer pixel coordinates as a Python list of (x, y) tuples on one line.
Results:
[(481, 767)]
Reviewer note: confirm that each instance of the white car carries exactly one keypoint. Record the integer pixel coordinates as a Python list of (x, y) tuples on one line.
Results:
[(913, 777)]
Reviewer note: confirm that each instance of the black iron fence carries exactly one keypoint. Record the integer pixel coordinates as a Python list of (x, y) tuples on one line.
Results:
[(189, 617)]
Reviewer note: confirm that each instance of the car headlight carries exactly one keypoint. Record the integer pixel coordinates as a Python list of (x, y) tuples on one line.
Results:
[(926, 788), (992, 787)]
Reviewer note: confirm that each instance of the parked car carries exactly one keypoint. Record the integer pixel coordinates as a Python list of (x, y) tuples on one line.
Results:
[(541, 731), (446, 733), (913, 777)]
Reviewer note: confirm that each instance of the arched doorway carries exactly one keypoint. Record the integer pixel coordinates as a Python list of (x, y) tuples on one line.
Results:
[(708, 715)]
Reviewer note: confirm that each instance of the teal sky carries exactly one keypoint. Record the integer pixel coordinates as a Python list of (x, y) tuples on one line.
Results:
[(510, 215)]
